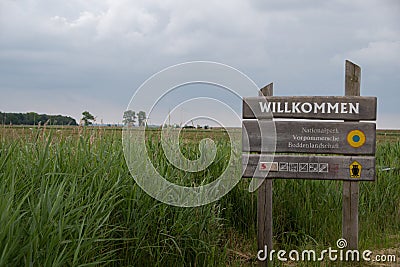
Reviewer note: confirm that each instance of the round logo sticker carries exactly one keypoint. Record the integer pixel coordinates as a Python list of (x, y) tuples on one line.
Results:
[(356, 138)]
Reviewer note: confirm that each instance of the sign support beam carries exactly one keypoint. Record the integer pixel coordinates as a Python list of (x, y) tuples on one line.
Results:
[(350, 188), (264, 203)]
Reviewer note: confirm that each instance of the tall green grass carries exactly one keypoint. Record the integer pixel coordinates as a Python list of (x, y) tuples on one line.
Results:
[(69, 200)]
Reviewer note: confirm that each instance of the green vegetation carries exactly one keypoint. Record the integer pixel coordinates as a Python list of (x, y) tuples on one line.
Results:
[(32, 118), (87, 118), (130, 116), (67, 199)]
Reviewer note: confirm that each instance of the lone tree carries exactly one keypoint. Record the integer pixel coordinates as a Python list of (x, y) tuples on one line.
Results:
[(129, 117), (142, 118), (87, 118)]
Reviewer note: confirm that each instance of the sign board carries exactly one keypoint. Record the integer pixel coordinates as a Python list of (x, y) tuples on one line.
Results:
[(310, 107), (351, 141), (350, 138), (351, 168)]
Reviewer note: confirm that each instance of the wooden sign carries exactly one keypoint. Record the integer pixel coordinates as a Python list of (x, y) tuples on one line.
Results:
[(310, 107), (351, 168), (346, 149), (350, 138)]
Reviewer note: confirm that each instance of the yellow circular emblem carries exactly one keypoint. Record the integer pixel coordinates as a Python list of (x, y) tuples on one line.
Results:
[(356, 138)]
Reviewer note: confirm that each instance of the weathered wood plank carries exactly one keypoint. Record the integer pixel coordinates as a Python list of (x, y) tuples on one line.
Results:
[(310, 107), (349, 138), (264, 203), (351, 189), (267, 90), (309, 167), (352, 79)]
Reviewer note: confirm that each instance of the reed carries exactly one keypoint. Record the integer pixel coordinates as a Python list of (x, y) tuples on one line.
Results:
[(67, 199)]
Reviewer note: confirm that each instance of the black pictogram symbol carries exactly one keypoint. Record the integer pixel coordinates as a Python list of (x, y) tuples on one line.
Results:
[(355, 170)]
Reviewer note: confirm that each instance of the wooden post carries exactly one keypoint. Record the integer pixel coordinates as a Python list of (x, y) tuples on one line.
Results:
[(264, 203), (350, 188)]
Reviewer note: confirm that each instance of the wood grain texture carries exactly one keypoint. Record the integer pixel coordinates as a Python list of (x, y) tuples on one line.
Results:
[(352, 79), (267, 90), (351, 189), (264, 204), (309, 137), (286, 107), (309, 167)]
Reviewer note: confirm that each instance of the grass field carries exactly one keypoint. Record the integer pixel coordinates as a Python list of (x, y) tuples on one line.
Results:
[(67, 199)]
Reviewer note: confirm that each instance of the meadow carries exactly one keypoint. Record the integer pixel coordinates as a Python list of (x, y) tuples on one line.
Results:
[(67, 199)]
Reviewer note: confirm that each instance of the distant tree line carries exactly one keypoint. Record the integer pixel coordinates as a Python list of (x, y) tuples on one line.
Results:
[(32, 118)]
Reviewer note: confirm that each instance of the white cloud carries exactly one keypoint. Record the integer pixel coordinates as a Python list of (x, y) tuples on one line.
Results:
[(110, 47), (378, 53)]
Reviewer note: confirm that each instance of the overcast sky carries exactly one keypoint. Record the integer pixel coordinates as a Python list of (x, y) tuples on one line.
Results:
[(64, 57)]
